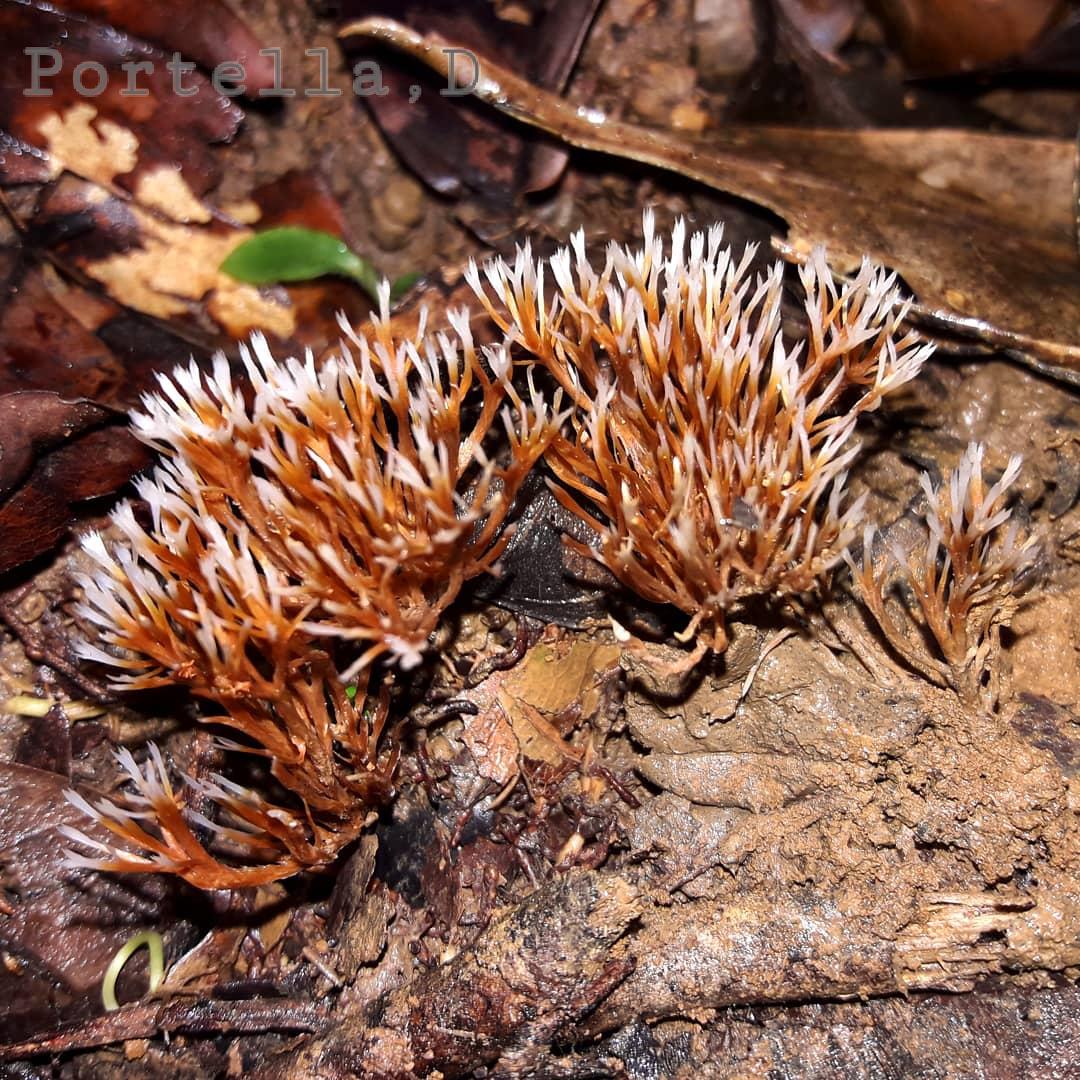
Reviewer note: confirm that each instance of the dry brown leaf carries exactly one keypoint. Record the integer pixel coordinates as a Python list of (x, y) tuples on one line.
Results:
[(551, 679), (177, 265), (979, 226), (539, 741), (490, 740)]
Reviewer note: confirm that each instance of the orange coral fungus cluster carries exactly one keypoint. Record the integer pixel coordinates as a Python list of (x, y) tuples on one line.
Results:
[(324, 750), (330, 516), (709, 456), (964, 580), (348, 503), (339, 512)]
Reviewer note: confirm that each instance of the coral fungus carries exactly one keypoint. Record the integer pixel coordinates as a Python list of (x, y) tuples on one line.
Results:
[(964, 581), (709, 457), (324, 750), (328, 518), (337, 514), (349, 502)]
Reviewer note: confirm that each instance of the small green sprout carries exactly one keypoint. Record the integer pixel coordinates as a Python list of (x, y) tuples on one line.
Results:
[(292, 253), (153, 941)]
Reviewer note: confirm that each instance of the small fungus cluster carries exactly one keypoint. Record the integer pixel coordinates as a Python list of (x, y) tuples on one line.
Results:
[(963, 582), (327, 516), (339, 513)]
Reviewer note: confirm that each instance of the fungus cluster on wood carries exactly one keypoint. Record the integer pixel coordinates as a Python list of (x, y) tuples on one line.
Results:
[(295, 533)]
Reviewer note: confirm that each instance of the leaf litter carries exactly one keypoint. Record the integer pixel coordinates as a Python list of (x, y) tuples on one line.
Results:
[(827, 833)]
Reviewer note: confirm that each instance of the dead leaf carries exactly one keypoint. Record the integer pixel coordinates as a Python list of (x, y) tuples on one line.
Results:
[(490, 740), (154, 264), (552, 681), (33, 423), (136, 222), (461, 152), (112, 135), (44, 347), (944, 36), (553, 677), (176, 266), (796, 80), (979, 226), (208, 32), (64, 928), (55, 454), (56, 335)]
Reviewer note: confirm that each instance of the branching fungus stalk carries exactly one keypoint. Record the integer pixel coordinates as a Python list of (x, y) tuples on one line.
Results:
[(335, 516), (964, 581), (709, 456), (324, 750)]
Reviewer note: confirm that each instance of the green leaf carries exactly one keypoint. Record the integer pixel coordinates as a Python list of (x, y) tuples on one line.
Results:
[(291, 253)]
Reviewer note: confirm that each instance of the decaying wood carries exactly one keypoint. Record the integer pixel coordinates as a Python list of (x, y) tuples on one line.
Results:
[(541, 967)]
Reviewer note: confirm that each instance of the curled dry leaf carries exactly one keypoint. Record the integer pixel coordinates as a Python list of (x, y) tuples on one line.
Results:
[(979, 226)]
